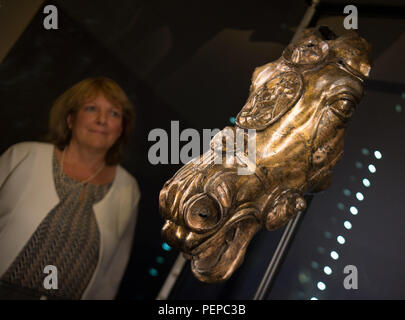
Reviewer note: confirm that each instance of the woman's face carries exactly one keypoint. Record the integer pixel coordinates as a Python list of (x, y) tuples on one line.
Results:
[(97, 124)]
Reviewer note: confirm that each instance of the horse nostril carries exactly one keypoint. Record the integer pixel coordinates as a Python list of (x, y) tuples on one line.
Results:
[(202, 213)]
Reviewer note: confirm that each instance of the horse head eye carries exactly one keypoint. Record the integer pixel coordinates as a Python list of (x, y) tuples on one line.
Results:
[(343, 108)]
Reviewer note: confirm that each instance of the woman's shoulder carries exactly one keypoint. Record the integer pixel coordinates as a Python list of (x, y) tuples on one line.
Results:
[(27, 148), (30, 146), (126, 176), (128, 179), (127, 185)]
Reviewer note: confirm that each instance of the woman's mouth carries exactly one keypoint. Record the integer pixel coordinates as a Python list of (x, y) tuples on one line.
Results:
[(99, 132)]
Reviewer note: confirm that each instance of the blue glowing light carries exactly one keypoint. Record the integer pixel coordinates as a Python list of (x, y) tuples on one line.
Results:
[(166, 247)]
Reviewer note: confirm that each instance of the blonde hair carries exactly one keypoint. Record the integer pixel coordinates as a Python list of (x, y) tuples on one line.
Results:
[(69, 102)]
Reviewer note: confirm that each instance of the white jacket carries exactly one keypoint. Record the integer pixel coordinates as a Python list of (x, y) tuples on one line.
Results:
[(28, 194)]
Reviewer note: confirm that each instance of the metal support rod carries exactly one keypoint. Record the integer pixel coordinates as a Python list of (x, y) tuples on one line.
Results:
[(172, 278), (275, 262), (305, 21)]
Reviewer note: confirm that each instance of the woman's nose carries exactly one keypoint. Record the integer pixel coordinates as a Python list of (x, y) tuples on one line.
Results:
[(102, 117)]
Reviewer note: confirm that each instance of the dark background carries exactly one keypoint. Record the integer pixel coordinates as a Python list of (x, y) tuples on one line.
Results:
[(191, 61)]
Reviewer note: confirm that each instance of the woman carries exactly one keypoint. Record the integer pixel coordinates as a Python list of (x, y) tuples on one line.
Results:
[(68, 204)]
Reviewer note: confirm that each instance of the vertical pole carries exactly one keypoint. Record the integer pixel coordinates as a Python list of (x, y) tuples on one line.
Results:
[(306, 20), (172, 278), (278, 257)]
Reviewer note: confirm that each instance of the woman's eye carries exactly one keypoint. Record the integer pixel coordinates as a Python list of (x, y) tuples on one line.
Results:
[(90, 108), (115, 113)]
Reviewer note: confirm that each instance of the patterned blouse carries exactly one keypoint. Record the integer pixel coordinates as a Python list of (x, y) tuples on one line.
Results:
[(68, 238)]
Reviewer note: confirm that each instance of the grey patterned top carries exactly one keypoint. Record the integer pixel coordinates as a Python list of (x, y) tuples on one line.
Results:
[(68, 238)]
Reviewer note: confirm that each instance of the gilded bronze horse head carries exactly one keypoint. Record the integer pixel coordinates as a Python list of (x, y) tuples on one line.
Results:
[(299, 107)]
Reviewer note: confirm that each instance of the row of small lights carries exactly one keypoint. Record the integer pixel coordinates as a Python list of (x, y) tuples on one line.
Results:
[(354, 211), (160, 260)]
